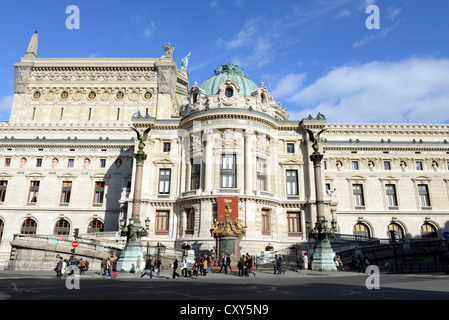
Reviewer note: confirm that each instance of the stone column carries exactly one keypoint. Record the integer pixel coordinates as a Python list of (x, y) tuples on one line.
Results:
[(319, 199), (249, 139), (208, 160)]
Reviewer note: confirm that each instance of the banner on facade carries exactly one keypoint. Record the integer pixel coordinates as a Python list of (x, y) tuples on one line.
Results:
[(232, 202)]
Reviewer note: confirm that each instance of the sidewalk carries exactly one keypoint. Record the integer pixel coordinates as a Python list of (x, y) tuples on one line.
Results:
[(167, 274)]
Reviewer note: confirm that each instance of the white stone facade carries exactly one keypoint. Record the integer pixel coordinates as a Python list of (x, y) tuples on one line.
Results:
[(70, 127)]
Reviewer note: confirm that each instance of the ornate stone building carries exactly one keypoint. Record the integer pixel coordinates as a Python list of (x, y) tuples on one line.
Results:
[(66, 158)]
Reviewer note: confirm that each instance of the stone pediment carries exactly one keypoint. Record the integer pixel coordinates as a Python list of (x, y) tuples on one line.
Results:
[(291, 162), (163, 161)]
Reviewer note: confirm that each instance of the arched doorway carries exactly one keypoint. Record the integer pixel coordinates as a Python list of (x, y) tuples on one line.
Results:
[(361, 229)]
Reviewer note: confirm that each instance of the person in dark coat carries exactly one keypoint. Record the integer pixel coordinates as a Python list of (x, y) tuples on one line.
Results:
[(175, 266), (148, 268)]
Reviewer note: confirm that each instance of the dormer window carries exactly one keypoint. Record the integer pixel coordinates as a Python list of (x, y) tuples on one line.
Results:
[(229, 92), (263, 98)]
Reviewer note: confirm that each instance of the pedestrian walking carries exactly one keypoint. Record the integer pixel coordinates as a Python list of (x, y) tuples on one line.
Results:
[(275, 267), (279, 265), (305, 260), (148, 267), (64, 268), (205, 262), (195, 269), (228, 263), (210, 262), (158, 267), (108, 269), (241, 266), (82, 266), (175, 266), (185, 267), (249, 265), (138, 264), (59, 268)]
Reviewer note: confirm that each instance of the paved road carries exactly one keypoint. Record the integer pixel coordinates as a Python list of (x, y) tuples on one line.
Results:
[(303, 285)]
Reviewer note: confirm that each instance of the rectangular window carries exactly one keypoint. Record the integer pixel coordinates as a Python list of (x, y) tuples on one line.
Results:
[(162, 222), (294, 226), (423, 191), (7, 162), (266, 228), (355, 165), (290, 148), (3, 186), (292, 182), (359, 201), (66, 190), (190, 225), (34, 191), (228, 171), (99, 192), (387, 165), (419, 165), (195, 175), (167, 146), (261, 174), (39, 162), (164, 181), (70, 163), (102, 163), (390, 190)]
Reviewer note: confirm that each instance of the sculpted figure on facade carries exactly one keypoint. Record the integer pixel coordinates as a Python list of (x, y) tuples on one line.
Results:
[(168, 50)]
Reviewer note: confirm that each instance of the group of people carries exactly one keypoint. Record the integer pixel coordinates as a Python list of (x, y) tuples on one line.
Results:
[(245, 265), (155, 265), (108, 268), (201, 265), (67, 267), (338, 263), (278, 264)]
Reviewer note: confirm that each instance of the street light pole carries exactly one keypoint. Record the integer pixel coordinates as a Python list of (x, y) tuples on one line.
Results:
[(323, 257), (134, 231)]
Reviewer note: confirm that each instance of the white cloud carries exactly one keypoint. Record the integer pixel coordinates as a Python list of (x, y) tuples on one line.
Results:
[(6, 103), (380, 34), (148, 31), (288, 85), (5, 107), (413, 90)]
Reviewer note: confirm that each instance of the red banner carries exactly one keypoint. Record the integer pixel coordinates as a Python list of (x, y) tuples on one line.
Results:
[(232, 202)]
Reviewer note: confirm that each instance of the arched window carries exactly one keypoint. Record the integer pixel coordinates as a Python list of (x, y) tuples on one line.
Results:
[(62, 228), (399, 232), (29, 226), (428, 231), (95, 226), (361, 229)]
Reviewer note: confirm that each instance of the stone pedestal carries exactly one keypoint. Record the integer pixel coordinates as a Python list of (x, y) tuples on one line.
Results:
[(323, 257), (128, 259)]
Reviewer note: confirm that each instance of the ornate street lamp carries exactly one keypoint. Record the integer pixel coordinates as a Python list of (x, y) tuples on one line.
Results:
[(134, 231), (323, 257)]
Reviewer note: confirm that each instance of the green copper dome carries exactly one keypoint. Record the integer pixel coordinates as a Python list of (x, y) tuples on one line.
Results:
[(211, 85)]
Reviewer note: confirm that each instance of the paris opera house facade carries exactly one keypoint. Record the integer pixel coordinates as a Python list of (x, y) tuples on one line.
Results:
[(67, 158)]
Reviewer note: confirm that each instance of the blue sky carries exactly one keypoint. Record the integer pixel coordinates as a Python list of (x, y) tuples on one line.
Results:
[(313, 56)]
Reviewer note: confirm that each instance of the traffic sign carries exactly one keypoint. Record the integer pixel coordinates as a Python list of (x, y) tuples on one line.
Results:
[(446, 235), (75, 244), (393, 243)]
